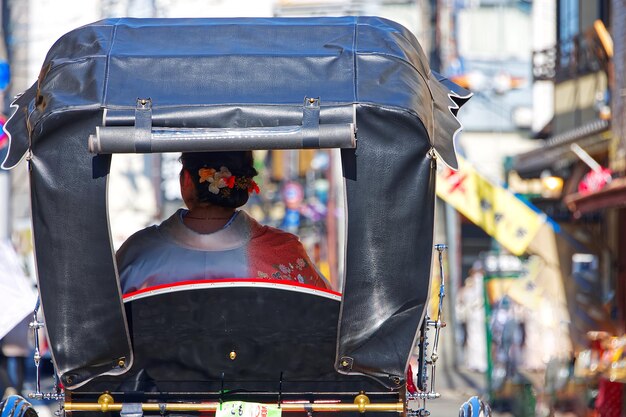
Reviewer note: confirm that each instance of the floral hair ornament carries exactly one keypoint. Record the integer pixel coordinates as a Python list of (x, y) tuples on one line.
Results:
[(223, 180)]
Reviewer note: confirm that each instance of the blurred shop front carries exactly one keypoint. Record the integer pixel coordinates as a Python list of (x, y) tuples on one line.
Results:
[(525, 319), (577, 176), (591, 250)]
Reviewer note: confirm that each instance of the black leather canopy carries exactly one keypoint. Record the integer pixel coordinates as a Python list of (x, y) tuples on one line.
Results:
[(236, 73)]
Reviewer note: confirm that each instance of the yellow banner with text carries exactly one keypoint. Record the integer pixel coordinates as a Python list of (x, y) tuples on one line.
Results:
[(493, 208)]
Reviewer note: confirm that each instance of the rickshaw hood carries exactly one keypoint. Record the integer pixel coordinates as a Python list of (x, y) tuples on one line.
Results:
[(238, 73)]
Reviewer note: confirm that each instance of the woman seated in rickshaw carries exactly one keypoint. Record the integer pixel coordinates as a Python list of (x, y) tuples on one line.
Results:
[(211, 239)]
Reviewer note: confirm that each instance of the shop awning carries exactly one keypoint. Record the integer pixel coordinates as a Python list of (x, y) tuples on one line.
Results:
[(611, 196), (593, 137)]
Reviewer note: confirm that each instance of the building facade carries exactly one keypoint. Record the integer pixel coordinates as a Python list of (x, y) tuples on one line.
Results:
[(581, 149)]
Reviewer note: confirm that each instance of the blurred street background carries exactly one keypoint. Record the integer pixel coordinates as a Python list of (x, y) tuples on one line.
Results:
[(535, 218)]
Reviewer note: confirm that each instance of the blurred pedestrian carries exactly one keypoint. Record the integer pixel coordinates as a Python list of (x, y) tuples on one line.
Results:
[(508, 335), (16, 347), (6, 385), (17, 298), (470, 310)]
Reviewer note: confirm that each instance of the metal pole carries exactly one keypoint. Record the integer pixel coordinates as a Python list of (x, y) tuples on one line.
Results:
[(207, 407), (435, 49), (454, 255), (488, 313), (5, 178), (361, 404), (5, 212), (617, 84)]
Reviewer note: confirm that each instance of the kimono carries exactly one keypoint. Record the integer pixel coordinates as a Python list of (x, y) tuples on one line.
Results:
[(244, 249)]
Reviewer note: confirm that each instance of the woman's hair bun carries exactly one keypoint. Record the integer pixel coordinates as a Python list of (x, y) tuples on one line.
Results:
[(211, 183)]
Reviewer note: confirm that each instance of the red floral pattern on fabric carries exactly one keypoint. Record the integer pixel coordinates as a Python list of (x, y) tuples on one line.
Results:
[(276, 254), (291, 271)]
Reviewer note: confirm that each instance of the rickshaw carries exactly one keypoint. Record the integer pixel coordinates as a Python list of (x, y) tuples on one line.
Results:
[(359, 84)]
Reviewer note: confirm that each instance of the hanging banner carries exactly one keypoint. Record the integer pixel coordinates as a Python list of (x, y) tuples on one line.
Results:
[(493, 208)]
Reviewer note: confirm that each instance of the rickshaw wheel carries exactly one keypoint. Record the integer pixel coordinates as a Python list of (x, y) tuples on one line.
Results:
[(16, 406), (475, 407)]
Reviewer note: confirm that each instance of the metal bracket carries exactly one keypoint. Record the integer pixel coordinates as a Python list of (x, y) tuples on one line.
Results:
[(311, 123), (143, 137), (131, 410), (280, 390), (416, 403), (143, 125), (416, 407)]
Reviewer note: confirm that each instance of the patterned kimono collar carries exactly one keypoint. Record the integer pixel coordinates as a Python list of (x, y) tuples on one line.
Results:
[(235, 235)]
